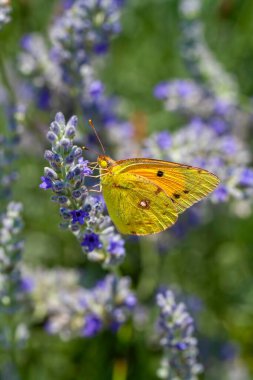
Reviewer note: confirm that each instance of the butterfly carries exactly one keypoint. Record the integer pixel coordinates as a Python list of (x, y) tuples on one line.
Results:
[(145, 196)]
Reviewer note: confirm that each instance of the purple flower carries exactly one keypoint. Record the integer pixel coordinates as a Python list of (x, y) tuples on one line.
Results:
[(68, 4), (221, 194), (229, 145), (221, 107), (84, 166), (163, 140), (25, 42), (219, 125), (130, 301), (116, 246), (184, 88), (161, 91), (247, 177), (181, 346), (101, 48), (228, 351), (92, 326), (96, 88), (27, 284), (43, 98), (78, 216), (91, 241), (46, 183)]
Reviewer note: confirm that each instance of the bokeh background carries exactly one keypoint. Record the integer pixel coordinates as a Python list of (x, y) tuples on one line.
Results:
[(209, 264)]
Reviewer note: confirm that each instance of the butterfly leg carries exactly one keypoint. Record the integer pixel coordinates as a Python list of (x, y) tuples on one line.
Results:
[(95, 176), (96, 191)]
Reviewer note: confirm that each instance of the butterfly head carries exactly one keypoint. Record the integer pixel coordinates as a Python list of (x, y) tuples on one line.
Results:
[(105, 162)]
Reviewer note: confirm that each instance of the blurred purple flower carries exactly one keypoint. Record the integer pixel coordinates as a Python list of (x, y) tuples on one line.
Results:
[(92, 325), (116, 246), (161, 90), (27, 284), (221, 194), (163, 140), (246, 178), (96, 89)]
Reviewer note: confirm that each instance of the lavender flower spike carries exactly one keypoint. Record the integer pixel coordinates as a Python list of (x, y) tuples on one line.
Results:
[(175, 328), (80, 212), (5, 10), (72, 310), (84, 30)]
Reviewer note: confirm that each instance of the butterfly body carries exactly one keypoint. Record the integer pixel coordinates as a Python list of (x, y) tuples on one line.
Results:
[(144, 196)]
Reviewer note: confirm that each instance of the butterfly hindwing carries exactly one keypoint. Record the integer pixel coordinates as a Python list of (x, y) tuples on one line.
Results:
[(136, 205)]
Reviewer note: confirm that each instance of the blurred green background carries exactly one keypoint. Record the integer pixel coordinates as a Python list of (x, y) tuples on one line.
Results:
[(213, 262)]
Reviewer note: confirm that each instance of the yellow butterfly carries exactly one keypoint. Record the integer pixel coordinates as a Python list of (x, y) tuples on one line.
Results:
[(144, 196)]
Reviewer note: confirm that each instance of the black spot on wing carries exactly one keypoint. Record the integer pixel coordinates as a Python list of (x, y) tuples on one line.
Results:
[(159, 173)]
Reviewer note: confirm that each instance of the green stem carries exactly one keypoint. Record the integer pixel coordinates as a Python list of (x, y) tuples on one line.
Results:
[(6, 81), (149, 261)]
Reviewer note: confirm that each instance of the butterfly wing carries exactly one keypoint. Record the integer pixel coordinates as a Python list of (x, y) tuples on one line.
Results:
[(183, 184), (136, 205)]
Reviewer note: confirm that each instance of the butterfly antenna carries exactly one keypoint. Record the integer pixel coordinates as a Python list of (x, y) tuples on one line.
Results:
[(97, 136)]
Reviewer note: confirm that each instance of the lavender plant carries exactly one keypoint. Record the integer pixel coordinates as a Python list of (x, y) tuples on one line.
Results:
[(199, 59), (197, 144), (5, 10), (84, 29), (81, 213), (14, 299), (194, 100), (8, 151), (65, 72), (72, 310), (175, 329)]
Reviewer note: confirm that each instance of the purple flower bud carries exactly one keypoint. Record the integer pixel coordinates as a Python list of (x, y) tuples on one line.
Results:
[(66, 144), (70, 175), (51, 136), (59, 118), (76, 194), (65, 213), (55, 127), (70, 132), (58, 186), (75, 227), (50, 173), (72, 122), (62, 199), (69, 159), (49, 155), (78, 152)]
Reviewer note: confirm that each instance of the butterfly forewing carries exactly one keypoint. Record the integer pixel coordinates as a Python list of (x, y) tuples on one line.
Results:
[(185, 185)]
